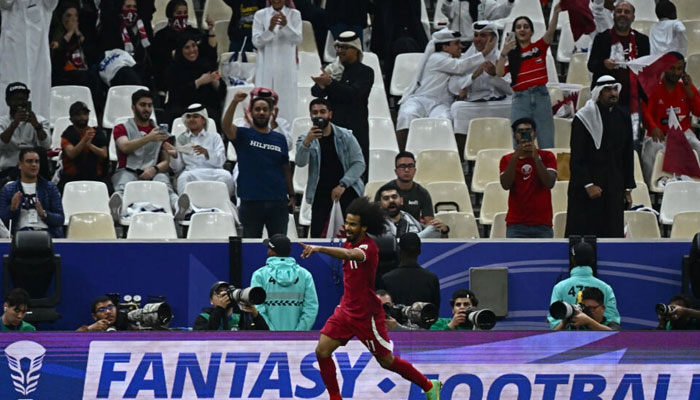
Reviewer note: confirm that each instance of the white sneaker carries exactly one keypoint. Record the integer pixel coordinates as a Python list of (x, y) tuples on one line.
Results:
[(183, 206), (115, 206)]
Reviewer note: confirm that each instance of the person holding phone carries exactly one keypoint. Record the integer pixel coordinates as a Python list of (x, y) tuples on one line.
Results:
[(529, 175)]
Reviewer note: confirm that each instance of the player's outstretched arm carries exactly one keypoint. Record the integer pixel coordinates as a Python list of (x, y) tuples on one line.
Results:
[(335, 252)]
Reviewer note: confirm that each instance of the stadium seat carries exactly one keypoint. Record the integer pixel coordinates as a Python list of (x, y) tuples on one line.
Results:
[(498, 228), (300, 127), (222, 40), (488, 133), (84, 196), (559, 150), (292, 228), (152, 192), (112, 146), (405, 68), (161, 20), (528, 8), (641, 225), (638, 175), (424, 18), (679, 197), (211, 225), (382, 135), (304, 97), (563, 16), (495, 201), (210, 194), (559, 224), (692, 31), (454, 196), (300, 178), (329, 53), (118, 104), (583, 96), (230, 92), (371, 188), (91, 225), (430, 134), (692, 65), (578, 70), (644, 10), (687, 9), (640, 195), (552, 76), (462, 225), (304, 212), (63, 96), (438, 165), (309, 65), (378, 106), (643, 25), (308, 39), (555, 94), (560, 196), (371, 60), (217, 10), (562, 132), (381, 165), (440, 20), (152, 226), (567, 47), (685, 225), (656, 173), (231, 153), (487, 168), (59, 127)]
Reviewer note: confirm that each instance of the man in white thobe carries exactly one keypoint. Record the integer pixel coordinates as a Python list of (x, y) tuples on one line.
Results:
[(24, 48), (462, 13), (276, 34)]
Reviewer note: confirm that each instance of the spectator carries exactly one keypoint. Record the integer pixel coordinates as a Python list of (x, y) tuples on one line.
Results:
[(276, 34), (277, 123), (668, 34), (410, 282), (140, 154), (593, 315), (602, 165), (291, 303), (428, 94), (84, 149), (240, 28), (198, 153), (416, 199), (16, 306), (462, 301), (347, 83), (106, 316), (312, 11), (25, 49), (31, 202), (581, 277), (20, 128), (265, 178), (222, 316), (675, 91), (194, 78), (335, 165), (529, 200), (527, 64), (480, 93), (399, 222), (681, 315), (462, 14)]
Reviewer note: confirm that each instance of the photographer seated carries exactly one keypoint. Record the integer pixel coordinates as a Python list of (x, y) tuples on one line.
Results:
[(678, 315), (387, 303), (107, 317), (591, 316), (223, 316), (15, 309), (462, 301)]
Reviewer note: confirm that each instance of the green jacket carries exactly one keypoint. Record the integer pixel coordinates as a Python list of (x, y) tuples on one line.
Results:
[(441, 325), (24, 327)]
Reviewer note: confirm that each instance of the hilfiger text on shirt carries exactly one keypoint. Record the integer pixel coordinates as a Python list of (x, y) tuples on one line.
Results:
[(265, 146)]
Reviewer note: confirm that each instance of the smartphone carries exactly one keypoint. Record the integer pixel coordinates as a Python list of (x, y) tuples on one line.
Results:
[(164, 128), (29, 106), (525, 135)]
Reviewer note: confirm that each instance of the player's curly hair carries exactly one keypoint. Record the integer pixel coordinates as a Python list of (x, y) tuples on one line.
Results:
[(371, 215)]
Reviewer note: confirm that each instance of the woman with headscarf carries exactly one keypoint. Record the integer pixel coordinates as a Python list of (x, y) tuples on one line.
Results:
[(193, 78)]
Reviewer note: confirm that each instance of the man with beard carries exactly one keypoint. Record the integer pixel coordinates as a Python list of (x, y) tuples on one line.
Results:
[(335, 165), (416, 199), (602, 164), (675, 94), (265, 178)]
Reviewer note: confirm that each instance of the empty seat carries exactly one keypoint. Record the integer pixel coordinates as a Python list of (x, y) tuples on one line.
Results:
[(462, 225), (63, 96), (559, 196), (371, 188), (559, 224), (84, 196), (217, 10), (583, 96), (152, 192), (309, 65), (644, 10), (685, 225), (452, 195), (300, 178), (118, 104), (687, 10), (152, 226), (430, 134), (578, 70), (498, 228), (378, 105), (438, 165), (382, 135), (495, 201), (562, 132), (308, 39), (300, 127), (381, 165), (371, 60), (488, 133), (210, 195), (692, 31), (567, 47), (529, 8), (223, 42), (679, 197), (487, 168), (91, 225), (304, 97), (640, 195), (405, 68), (641, 225), (211, 225), (59, 127)]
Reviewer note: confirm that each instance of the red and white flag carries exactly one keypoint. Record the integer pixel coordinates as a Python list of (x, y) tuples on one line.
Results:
[(649, 69), (336, 223), (580, 17), (679, 158)]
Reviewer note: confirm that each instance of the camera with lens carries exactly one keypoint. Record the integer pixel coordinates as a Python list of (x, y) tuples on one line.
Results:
[(251, 295), (483, 320), (156, 314), (563, 310), (419, 314), (320, 122), (664, 309)]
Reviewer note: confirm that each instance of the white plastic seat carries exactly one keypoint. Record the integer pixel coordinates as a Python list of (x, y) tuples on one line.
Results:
[(251, 58), (552, 76), (685, 225), (62, 97), (292, 233), (528, 8), (555, 94), (381, 165), (567, 47), (584, 94), (59, 127), (300, 178), (643, 25), (217, 10), (640, 195), (371, 60), (371, 188), (495, 201), (462, 225), (118, 104), (487, 168), (562, 132), (450, 193), (84, 196), (498, 228), (378, 106), (152, 192), (430, 134), (382, 135), (304, 97), (91, 225), (578, 70), (641, 225), (488, 133), (329, 53), (679, 197), (692, 31), (424, 18), (210, 194), (152, 226), (405, 68), (440, 20), (438, 165), (559, 224), (308, 39), (560, 196), (231, 92), (304, 212), (644, 10), (309, 65), (160, 20), (300, 127), (223, 42), (687, 9), (211, 225), (692, 64), (657, 172)]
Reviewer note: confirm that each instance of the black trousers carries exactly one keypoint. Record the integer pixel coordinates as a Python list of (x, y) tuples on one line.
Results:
[(321, 209)]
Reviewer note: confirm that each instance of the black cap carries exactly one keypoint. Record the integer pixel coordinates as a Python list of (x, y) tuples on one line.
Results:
[(582, 253), (77, 107), (280, 244), (410, 242), (15, 87), (215, 287)]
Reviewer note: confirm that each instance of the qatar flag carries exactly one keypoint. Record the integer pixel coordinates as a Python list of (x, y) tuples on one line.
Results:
[(679, 158), (649, 69), (580, 16)]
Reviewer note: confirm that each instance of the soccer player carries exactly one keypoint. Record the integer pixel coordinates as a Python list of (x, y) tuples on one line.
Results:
[(360, 312)]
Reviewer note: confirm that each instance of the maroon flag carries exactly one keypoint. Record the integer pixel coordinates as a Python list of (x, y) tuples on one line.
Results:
[(649, 69), (679, 158), (580, 16)]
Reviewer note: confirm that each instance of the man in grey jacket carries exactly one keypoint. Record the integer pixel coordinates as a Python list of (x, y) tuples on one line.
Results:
[(335, 165)]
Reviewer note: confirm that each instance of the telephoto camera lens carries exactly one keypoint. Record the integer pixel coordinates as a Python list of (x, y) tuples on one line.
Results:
[(663, 309), (251, 295), (562, 310), (482, 319)]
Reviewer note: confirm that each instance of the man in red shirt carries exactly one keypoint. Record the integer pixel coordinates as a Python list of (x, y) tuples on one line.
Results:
[(675, 90), (529, 174), (360, 312)]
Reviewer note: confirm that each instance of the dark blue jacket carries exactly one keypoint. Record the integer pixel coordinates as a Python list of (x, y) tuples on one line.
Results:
[(50, 199)]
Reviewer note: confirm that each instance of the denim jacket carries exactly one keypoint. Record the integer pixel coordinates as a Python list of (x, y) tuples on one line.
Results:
[(50, 199), (349, 154)]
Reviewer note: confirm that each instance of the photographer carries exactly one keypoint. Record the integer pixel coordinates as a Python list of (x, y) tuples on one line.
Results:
[(462, 300), (222, 315), (391, 323), (591, 316), (678, 315), (107, 317), (15, 309)]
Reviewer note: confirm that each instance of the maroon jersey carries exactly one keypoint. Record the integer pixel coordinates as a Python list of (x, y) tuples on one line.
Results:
[(359, 300)]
